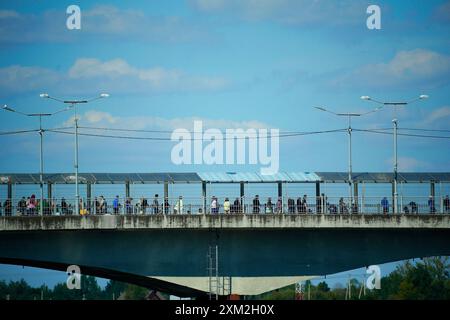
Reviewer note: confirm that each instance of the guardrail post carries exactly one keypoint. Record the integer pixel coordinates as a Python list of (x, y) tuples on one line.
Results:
[(88, 197), (318, 200), (242, 193), (9, 197), (401, 204), (204, 196), (355, 196)]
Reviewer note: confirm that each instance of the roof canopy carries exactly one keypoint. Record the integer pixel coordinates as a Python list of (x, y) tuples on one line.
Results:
[(224, 177)]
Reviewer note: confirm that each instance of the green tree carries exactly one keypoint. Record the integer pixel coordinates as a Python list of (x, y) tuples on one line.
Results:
[(427, 279), (133, 292), (323, 286)]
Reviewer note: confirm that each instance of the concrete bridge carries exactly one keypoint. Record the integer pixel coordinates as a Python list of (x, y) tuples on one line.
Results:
[(258, 252)]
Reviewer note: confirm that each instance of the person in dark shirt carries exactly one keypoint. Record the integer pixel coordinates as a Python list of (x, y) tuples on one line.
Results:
[(22, 206), (291, 205), (446, 204), (63, 206), (385, 205), (237, 205), (156, 205), (256, 204), (431, 205), (299, 205)]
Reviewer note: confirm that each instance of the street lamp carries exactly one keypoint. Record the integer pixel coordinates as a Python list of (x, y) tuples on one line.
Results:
[(41, 134), (395, 123), (73, 104), (349, 130)]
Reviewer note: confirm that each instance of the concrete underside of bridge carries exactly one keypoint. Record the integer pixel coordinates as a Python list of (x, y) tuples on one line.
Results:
[(156, 257)]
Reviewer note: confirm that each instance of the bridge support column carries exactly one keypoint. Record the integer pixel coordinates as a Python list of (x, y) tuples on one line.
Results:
[(204, 196), (433, 194), (280, 189), (318, 199), (127, 189), (393, 197), (88, 197), (166, 190), (355, 196), (9, 192), (242, 193), (49, 191)]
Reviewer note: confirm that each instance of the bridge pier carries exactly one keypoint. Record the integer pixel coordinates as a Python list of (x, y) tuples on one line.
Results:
[(127, 189), (280, 189), (393, 197), (242, 193), (9, 192), (318, 198), (49, 191), (88, 197), (204, 196)]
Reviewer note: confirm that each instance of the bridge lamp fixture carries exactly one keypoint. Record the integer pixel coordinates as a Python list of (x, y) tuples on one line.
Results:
[(41, 134), (73, 105), (395, 123), (349, 130)]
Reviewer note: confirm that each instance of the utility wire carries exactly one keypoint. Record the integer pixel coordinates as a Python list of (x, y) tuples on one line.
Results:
[(192, 139), (4, 133), (430, 130), (403, 134), (169, 131)]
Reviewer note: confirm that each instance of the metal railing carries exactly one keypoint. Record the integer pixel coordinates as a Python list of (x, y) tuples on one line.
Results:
[(243, 205)]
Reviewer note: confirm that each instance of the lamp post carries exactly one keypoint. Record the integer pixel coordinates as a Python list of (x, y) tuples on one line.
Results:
[(349, 115), (73, 104), (41, 153), (395, 124)]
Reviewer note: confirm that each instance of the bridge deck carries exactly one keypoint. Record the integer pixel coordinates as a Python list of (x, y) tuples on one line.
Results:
[(284, 221)]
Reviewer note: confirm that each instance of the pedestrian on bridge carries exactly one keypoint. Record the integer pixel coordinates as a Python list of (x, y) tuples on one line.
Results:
[(299, 205), (156, 205), (305, 204), (256, 204), (214, 205), (446, 204), (179, 206), (385, 205), (237, 206), (144, 205), (431, 205), (269, 206), (226, 206), (116, 205), (279, 205)]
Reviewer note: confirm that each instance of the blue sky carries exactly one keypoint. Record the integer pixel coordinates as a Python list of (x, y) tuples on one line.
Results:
[(233, 64)]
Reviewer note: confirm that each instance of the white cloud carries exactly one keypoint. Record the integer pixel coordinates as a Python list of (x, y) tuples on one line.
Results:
[(407, 164), (440, 114), (102, 21), (98, 116), (295, 12), (419, 67), (442, 12), (8, 14), (16, 78), (89, 75), (105, 119)]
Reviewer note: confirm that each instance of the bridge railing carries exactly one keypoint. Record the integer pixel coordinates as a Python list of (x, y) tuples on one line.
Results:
[(243, 205)]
